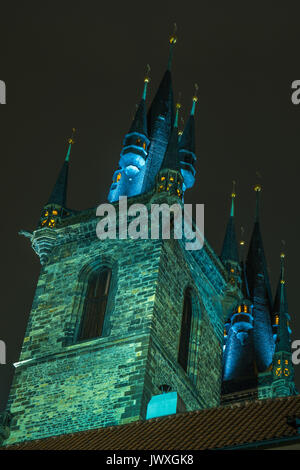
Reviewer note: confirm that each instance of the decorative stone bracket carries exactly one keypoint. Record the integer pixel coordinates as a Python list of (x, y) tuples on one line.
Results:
[(42, 242)]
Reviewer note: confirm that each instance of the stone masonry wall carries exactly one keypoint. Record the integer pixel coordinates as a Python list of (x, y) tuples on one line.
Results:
[(63, 386)]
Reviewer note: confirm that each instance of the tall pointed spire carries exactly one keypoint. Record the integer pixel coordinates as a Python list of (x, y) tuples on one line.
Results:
[(187, 147), (256, 261), (260, 295), (244, 284), (59, 192), (139, 123), (128, 178), (280, 294), (54, 209), (230, 247), (283, 371), (281, 312), (187, 141), (162, 106)]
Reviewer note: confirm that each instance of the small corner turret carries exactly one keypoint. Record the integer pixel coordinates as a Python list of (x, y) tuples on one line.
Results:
[(55, 208), (54, 211)]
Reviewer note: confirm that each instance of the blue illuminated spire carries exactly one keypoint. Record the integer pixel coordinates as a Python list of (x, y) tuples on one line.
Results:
[(230, 247)]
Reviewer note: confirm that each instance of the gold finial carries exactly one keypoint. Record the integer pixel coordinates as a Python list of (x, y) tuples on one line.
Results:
[(147, 76), (242, 241), (195, 97), (71, 139), (180, 132), (233, 194), (257, 188), (282, 256), (173, 37), (178, 104)]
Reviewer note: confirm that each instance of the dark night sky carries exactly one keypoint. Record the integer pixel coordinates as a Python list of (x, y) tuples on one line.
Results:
[(81, 64)]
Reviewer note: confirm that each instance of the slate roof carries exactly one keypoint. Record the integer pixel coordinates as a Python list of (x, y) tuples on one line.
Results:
[(230, 247), (187, 141), (58, 195), (171, 158), (250, 424), (139, 123), (162, 103)]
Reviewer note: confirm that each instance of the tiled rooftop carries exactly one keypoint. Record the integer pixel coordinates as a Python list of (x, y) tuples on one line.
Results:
[(214, 428)]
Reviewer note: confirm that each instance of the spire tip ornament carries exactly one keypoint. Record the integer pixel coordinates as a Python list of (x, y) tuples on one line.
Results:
[(178, 106), (180, 131), (195, 99), (233, 194), (70, 141), (282, 260), (172, 42), (147, 76), (146, 81), (173, 37)]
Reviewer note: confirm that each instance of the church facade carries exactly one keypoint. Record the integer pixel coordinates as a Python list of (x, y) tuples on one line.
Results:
[(126, 329)]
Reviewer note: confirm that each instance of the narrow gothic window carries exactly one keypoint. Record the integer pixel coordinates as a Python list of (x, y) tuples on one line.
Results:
[(185, 332), (95, 304)]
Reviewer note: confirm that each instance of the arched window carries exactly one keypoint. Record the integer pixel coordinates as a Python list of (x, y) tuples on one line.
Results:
[(185, 332), (95, 304)]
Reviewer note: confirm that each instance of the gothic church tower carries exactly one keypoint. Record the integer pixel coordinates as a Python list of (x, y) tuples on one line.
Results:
[(116, 322), (124, 329)]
